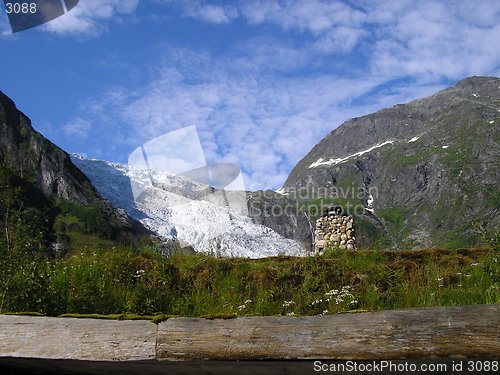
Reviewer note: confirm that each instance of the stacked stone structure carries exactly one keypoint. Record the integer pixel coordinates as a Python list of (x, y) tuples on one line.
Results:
[(334, 229)]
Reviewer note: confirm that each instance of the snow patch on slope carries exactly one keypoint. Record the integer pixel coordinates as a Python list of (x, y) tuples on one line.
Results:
[(369, 204), (321, 161), (174, 210), (281, 191)]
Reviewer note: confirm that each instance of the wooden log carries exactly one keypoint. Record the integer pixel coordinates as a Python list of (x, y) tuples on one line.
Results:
[(469, 331), (83, 339)]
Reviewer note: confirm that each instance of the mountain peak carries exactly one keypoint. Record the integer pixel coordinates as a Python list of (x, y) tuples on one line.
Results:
[(472, 87), (475, 82)]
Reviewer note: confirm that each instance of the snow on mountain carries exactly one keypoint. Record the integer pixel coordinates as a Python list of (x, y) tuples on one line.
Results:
[(281, 191), (175, 207), (323, 162)]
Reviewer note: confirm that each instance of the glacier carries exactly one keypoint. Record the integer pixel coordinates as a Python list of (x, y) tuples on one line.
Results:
[(177, 208)]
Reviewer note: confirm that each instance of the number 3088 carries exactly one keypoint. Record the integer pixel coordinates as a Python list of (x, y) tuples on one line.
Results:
[(24, 8)]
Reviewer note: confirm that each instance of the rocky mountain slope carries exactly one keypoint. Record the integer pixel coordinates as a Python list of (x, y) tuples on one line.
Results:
[(415, 175), (30, 161)]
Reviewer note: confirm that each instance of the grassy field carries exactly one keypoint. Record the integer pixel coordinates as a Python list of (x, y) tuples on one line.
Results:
[(121, 281)]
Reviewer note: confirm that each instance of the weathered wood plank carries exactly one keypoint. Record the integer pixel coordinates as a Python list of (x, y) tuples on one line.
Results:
[(83, 339), (470, 331)]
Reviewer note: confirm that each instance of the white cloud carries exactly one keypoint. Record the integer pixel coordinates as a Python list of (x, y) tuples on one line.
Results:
[(211, 13), (214, 13), (431, 40), (264, 102), (268, 55), (88, 17), (425, 37), (78, 128), (340, 39), (312, 16), (263, 125), (335, 26)]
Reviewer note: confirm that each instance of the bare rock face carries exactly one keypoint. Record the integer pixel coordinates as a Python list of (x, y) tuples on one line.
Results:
[(27, 154), (283, 215), (415, 175)]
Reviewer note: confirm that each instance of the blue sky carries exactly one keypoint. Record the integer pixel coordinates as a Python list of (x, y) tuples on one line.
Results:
[(263, 81)]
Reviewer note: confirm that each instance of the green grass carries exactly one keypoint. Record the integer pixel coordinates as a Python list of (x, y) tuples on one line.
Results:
[(123, 284), (376, 236), (78, 221), (395, 219)]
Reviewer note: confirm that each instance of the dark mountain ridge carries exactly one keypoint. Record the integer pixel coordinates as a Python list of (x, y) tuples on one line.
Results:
[(48, 181)]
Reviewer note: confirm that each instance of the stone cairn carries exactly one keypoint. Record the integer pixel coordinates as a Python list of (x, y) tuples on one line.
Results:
[(334, 229)]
